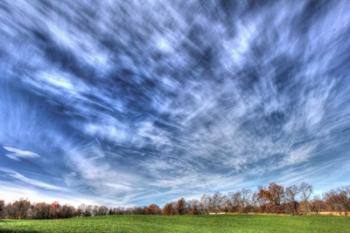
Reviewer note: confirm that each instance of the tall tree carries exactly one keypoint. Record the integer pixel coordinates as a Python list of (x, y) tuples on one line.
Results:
[(41, 211), (276, 193), (290, 196), (168, 209), (20, 208), (2, 209), (181, 206), (194, 207), (153, 209), (306, 192)]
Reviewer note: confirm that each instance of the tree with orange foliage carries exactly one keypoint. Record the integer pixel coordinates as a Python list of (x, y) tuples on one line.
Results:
[(168, 209), (153, 209), (181, 206), (54, 210)]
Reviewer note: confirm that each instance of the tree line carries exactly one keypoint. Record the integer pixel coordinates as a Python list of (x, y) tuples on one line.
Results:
[(275, 198)]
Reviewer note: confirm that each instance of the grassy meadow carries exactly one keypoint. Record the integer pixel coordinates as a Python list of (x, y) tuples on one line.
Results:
[(182, 224)]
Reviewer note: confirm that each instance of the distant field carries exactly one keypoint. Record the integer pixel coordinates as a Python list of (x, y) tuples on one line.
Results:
[(182, 224)]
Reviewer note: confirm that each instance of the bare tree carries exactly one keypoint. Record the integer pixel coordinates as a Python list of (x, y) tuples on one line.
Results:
[(290, 196), (225, 205), (317, 205), (246, 196), (338, 199), (85, 210), (204, 202), (41, 211), (20, 208), (194, 207), (306, 192), (214, 203), (235, 201)]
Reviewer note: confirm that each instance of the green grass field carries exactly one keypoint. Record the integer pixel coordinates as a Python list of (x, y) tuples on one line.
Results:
[(182, 224)]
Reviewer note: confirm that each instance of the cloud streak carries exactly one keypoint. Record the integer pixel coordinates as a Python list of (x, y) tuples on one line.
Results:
[(17, 154)]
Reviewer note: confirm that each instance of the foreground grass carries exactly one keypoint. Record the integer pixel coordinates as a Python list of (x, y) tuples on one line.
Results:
[(182, 224)]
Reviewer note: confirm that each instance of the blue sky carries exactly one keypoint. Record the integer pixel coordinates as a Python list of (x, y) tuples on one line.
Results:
[(128, 102)]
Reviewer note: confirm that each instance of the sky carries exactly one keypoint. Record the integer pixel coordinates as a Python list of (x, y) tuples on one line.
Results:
[(125, 103)]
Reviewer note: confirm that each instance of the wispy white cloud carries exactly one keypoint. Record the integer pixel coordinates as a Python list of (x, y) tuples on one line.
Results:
[(17, 154), (28, 181)]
